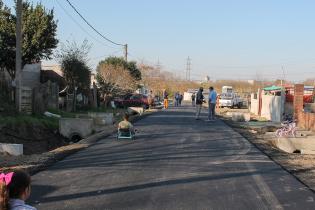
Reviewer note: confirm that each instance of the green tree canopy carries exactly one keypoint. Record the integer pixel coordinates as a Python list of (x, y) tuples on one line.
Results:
[(131, 66), (7, 38), (39, 35), (134, 71)]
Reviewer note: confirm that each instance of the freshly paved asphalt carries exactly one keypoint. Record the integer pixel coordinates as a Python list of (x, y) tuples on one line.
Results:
[(175, 163)]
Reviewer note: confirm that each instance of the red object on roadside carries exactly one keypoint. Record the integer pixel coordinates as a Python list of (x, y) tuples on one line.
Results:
[(137, 100), (307, 98)]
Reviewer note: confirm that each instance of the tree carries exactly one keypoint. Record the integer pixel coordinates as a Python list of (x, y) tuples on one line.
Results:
[(130, 66), (310, 82), (7, 38), (39, 35), (114, 79), (73, 60), (134, 71), (157, 81)]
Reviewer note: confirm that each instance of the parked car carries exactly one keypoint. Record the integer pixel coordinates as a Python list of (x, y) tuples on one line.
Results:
[(230, 100), (134, 100)]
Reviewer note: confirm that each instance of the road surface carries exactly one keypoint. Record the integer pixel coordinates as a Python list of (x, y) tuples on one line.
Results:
[(176, 162)]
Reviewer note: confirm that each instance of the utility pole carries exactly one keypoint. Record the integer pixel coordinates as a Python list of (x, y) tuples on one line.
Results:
[(283, 76), (18, 59), (158, 68), (126, 52), (188, 68), (158, 65)]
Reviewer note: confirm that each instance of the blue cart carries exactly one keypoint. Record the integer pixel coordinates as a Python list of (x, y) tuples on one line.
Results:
[(125, 134)]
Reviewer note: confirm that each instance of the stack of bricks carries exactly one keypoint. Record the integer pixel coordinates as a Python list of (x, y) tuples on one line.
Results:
[(304, 120)]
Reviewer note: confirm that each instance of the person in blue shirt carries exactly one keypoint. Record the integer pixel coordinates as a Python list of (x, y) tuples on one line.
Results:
[(212, 101), (199, 101), (176, 99)]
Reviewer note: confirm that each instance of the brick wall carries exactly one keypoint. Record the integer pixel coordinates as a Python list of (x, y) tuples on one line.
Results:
[(305, 120)]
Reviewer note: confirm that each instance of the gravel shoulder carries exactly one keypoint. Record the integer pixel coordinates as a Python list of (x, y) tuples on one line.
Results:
[(299, 165)]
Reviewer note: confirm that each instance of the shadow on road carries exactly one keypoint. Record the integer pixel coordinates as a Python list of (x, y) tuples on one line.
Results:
[(150, 185)]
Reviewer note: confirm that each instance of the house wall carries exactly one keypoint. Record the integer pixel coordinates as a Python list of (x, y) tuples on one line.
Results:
[(272, 107), (31, 75), (305, 120), (45, 96)]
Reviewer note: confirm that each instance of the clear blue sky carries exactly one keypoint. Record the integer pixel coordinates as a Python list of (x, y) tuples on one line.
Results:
[(238, 39)]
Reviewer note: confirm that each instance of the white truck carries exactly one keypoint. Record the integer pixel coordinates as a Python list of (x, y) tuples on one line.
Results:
[(229, 99)]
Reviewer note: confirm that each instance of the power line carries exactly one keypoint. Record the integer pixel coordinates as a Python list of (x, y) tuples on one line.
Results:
[(81, 27), (104, 37)]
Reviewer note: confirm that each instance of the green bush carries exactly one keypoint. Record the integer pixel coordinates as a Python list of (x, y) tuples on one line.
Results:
[(48, 122)]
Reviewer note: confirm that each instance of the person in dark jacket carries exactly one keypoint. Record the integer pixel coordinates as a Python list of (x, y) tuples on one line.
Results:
[(199, 101), (193, 97), (180, 99)]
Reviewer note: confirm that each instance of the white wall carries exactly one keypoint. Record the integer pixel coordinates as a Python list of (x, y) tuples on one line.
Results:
[(254, 105), (272, 107), (187, 96)]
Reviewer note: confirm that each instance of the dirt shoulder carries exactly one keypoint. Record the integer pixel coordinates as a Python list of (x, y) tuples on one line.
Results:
[(299, 165)]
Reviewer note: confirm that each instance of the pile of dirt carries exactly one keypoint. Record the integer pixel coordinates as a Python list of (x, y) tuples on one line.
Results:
[(35, 138)]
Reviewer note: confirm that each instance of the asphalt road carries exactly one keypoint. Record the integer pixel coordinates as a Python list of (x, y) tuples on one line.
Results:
[(176, 162)]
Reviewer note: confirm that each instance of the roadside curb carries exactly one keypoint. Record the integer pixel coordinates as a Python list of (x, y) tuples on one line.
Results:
[(47, 159)]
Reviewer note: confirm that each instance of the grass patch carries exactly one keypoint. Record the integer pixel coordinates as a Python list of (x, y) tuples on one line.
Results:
[(49, 122)]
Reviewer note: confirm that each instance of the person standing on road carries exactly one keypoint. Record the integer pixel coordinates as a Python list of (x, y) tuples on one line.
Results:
[(151, 99), (193, 97), (176, 99), (212, 102), (165, 96), (199, 101), (180, 99)]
